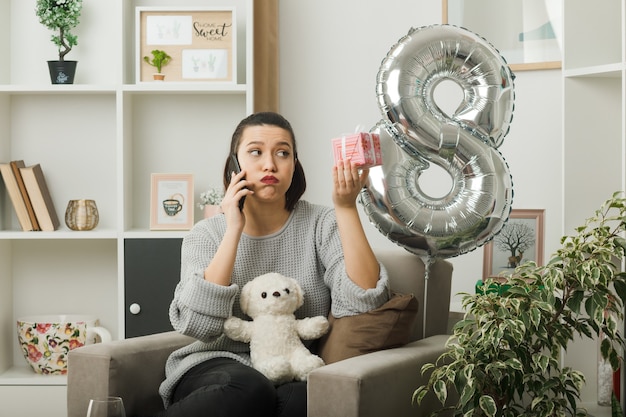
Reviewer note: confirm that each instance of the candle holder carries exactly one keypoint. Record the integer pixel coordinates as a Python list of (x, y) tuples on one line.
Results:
[(81, 215)]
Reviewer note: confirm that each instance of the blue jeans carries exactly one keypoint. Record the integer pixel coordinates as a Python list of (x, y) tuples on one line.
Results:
[(223, 387)]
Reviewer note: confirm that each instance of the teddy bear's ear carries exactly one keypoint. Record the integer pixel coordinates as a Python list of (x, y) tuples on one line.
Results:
[(298, 291)]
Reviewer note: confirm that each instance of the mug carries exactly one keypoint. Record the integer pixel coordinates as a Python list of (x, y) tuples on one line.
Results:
[(46, 340), (172, 207), (174, 204)]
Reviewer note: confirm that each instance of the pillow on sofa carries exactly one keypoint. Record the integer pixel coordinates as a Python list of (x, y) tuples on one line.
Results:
[(386, 327)]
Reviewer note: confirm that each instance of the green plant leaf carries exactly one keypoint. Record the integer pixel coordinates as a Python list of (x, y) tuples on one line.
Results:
[(441, 391), (620, 289), (427, 367), (535, 316), (514, 363), (488, 405), (467, 394), (575, 300), (419, 394)]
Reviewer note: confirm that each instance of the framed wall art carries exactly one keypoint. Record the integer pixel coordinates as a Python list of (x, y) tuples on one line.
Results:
[(201, 41), (526, 32), (519, 241), (171, 202)]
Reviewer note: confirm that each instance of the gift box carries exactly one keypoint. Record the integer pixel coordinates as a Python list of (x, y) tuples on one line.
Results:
[(362, 148)]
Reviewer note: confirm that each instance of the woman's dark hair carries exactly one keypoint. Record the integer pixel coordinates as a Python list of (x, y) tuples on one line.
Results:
[(298, 182)]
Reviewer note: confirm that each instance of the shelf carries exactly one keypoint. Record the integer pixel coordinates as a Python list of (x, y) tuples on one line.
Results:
[(96, 234), (57, 89), (24, 375), (155, 234), (166, 87), (601, 71), (59, 234), (180, 87)]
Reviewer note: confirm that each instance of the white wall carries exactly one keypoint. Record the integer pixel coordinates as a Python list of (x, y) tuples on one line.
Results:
[(330, 52)]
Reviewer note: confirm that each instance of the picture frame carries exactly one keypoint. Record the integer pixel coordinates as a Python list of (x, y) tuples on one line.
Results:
[(171, 201), (201, 41), (525, 228), (527, 33)]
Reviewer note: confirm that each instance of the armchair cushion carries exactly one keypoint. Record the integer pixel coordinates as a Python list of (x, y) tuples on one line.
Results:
[(386, 327)]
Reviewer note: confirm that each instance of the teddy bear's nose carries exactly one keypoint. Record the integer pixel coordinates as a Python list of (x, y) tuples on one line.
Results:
[(276, 294)]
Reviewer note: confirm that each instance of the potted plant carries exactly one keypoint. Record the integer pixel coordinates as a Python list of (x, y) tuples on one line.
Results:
[(61, 16), (210, 201), (158, 60), (504, 356)]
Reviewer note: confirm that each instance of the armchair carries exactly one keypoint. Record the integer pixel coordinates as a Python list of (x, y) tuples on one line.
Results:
[(375, 384)]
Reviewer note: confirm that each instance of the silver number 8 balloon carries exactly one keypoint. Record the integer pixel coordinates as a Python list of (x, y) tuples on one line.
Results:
[(416, 133)]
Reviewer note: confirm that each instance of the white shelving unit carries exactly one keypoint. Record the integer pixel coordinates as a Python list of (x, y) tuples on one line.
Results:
[(100, 138), (594, 126)]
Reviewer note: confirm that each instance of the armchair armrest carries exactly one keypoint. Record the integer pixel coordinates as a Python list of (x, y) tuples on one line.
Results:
[(376, 384), (132, 369)]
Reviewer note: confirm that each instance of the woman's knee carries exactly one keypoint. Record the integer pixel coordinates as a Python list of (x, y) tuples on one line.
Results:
[(230, 389), (253, 388)]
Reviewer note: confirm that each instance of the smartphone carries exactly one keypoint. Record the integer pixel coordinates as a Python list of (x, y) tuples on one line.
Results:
[(237, 169)]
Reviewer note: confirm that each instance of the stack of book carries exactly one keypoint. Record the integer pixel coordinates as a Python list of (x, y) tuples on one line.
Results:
[(30, 196)]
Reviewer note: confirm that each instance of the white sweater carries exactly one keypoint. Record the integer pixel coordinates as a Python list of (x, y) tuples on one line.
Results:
[(307, 248)]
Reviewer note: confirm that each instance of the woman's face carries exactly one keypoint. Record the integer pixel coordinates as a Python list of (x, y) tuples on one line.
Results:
[(266, 154)]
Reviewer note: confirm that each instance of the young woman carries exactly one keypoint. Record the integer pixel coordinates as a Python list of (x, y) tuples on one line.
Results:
[(324, 249)]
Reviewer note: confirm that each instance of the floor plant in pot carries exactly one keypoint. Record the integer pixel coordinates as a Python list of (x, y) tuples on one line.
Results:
[(504, 358), (61, 16)]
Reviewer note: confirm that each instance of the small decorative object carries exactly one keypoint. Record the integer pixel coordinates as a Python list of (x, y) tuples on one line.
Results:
[(210, 211), (61, 16), (210, 201), (362, 148), (159, 58), (81, 215), (605, 377), (202, 42), (274, 333), (519, 241), (171, 202), (46, 340)]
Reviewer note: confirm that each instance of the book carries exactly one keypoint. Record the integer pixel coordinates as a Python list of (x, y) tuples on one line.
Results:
[(40, 197), (15, 195), (15, 166)]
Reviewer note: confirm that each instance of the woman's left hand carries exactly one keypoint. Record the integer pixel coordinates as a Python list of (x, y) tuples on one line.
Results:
[(361, 264), (347, 183)]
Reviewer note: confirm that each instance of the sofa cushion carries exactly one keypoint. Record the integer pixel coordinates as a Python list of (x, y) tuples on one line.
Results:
[(386, 327)]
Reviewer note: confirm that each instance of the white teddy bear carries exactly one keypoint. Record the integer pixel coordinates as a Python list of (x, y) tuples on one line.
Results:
[(274, 333)]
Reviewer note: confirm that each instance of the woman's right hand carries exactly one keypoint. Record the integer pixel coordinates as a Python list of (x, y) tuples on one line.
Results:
[(220, 268), (230, 203)]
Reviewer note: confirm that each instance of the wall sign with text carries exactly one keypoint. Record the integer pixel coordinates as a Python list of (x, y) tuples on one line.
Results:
[(201, 42)]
